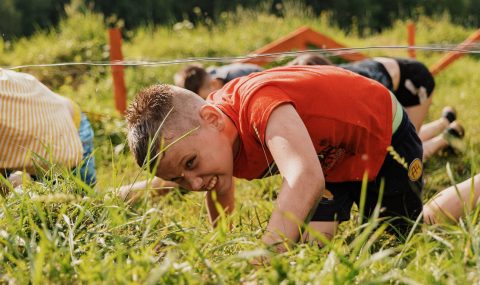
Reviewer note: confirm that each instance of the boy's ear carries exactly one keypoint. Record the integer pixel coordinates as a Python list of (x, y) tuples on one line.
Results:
[(212, 116)]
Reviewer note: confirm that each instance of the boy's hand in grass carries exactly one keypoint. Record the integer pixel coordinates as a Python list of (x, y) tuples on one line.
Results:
[(132, 193)]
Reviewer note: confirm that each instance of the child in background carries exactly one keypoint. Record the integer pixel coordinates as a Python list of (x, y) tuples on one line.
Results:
[(204, 81), (413, 84), (312, 124), (36, 124)]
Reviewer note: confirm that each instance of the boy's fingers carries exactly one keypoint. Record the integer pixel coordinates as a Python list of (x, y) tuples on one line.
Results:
[(260, 261)]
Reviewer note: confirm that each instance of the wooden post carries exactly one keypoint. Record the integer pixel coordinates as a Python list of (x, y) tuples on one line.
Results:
[(454, 55), (411, 39), (116, 59)]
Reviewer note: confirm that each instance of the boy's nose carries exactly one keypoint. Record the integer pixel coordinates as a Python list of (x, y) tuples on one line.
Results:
[(196, 182)]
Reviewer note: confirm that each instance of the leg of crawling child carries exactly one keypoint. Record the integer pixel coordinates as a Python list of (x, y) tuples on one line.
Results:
[(448, 205), (441, 133), (432, 129), (418, 113), (451, 137), (452, 203)]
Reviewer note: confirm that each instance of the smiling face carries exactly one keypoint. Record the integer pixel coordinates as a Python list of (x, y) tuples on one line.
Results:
[(202, 160)]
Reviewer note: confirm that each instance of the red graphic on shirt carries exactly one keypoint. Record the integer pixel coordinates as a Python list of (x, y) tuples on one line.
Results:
[(330, 155)]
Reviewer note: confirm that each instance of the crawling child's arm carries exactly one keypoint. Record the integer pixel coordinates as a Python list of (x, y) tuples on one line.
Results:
[(133, 192), (303, 182), (226, 199)]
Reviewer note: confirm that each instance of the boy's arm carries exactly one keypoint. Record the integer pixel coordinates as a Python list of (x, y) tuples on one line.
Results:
[(133, 192), (303, 182), (226, 200), (16, 179)]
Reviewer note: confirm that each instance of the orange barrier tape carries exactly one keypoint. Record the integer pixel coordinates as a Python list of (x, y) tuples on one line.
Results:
[(454, 55), (299, 40)]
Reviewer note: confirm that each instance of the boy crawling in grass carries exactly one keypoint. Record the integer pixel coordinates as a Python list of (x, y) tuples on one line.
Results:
[(313, 125)]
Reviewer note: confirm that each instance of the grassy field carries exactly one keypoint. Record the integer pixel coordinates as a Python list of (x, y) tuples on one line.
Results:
[(60, 231)]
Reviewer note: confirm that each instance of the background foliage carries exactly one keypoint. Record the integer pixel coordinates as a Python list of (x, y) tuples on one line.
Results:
[(24, 17)]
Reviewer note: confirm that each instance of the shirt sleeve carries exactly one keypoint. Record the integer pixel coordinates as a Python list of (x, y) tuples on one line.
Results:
[(260, 106)]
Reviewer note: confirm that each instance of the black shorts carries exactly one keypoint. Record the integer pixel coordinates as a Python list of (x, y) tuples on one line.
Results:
[(416, 82), (371, 69), (403, 184)]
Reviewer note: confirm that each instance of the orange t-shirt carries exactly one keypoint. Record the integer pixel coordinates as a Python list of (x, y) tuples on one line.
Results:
[(348, 117)]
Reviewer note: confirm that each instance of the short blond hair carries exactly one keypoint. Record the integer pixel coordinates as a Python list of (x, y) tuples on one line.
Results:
[(160, 112)]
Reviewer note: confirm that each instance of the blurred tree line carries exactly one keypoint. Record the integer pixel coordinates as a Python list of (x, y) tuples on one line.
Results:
[(23, 17)]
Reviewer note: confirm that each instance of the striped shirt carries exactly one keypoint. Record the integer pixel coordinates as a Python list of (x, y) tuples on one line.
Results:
[(35, 123)]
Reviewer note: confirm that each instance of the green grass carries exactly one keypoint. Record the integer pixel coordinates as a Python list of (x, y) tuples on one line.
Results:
[(61, 232)]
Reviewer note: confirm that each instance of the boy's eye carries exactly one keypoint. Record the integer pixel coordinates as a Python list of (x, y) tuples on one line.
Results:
[(190, 163)]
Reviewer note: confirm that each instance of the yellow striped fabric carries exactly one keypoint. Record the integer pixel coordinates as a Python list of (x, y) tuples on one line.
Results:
[(76, 114), (34, 121)]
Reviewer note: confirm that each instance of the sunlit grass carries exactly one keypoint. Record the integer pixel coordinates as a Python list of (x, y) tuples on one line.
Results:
[(58, 231)]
